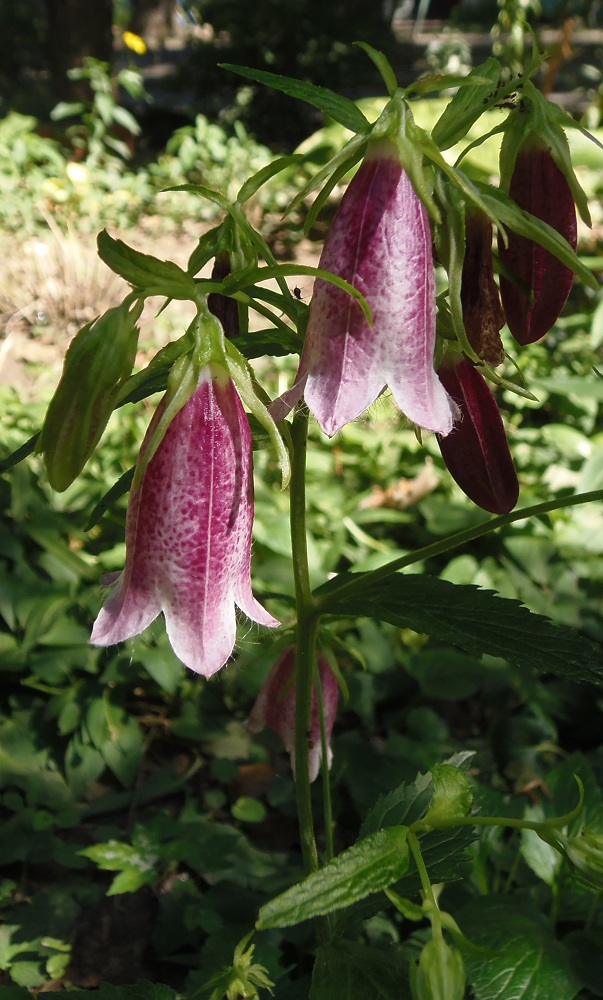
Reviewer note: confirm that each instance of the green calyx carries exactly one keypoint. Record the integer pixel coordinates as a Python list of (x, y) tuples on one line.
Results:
[(539, 122), (210, 348)]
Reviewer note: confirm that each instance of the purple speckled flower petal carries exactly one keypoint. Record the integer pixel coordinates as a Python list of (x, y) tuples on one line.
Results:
[(188, 533), (380, 242)]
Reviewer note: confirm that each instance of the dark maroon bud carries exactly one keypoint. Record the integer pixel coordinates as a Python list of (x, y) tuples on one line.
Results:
[(483, 314), (538, 284), (476, 450), (225, 308)]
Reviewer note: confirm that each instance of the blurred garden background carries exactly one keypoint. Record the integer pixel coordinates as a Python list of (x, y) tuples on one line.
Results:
[(103, 107)]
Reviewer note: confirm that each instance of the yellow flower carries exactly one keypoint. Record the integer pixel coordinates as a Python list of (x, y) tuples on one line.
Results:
[(135, 42)]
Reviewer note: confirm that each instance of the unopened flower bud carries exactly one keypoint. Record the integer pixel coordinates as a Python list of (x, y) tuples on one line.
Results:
[(585, 853), (275, 707), (98, 360), (539, 283), (476, 451), (483, 314), (439, 973)]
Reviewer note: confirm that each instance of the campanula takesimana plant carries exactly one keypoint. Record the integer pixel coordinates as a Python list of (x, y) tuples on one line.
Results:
[(374, 321)]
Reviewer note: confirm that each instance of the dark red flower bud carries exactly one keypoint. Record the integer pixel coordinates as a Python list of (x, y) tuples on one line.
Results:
[(539, 284), (483, 314), (476, 451)]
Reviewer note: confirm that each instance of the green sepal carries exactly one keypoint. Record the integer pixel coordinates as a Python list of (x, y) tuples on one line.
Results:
[(396, 123), (208, 247), (184, 377), (383, 65), (536, 116), (344, 160), (450, 244), (452, 796), (109, 498), (147, 274), (237, 282), (468, 104), (242, 376), (408, 909), (502, 208), (98, 361), (154, 377)]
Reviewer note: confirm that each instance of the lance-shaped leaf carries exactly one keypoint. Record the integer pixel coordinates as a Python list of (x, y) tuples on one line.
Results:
[(341, 109), (468, 104), (144, 272), (476, 451)]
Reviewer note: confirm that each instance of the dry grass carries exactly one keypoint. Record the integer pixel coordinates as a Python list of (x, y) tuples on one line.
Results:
[(50, 286)]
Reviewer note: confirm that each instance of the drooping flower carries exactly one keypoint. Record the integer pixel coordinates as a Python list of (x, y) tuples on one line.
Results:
[(477, 452), (188, 532), (538, 284), (276, 703), (380, 242)]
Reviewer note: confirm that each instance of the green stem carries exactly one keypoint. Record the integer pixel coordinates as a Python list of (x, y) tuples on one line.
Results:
[(307, 625), (426, 886), (334, 594), (326, 782)]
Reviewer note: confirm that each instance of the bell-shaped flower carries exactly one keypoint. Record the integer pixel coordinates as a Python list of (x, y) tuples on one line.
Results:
[(380, 242), (476, 452), (276, 703), (188, 531)]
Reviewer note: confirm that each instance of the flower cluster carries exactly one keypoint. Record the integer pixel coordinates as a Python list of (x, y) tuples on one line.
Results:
[(190, 515)]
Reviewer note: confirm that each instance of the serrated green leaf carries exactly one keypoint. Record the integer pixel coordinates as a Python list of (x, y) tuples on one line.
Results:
[(525, 962), (347, 970), (144, 271), (403, 805), (478, 621), (369, 866), (452, 796), (334, 105)]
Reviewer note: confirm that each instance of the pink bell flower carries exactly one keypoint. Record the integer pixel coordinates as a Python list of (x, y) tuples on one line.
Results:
[(380, 242), (276, 702), (188, 532)]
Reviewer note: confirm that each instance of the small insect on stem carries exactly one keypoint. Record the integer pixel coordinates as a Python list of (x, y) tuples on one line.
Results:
[(297, 293)]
